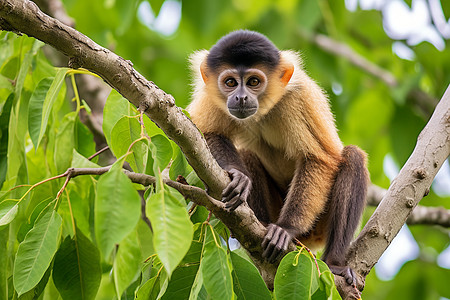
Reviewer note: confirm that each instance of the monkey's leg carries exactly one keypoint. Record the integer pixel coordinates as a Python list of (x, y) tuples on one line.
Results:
[(347, 202), (305, 203)]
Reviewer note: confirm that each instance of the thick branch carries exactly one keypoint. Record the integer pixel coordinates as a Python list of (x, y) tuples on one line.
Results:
[(25, 17), (408, 188), (420, 215)]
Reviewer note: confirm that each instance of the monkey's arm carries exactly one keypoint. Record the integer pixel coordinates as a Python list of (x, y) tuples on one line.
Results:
[(228, 158), (305, 202)]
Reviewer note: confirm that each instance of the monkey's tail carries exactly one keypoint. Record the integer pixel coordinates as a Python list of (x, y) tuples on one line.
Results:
[(348, 197)]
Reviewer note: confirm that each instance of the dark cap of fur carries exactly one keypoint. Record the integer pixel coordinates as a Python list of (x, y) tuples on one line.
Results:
[(243, 48)]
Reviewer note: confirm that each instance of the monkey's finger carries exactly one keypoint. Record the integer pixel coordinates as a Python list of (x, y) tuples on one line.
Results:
[(232, 188), (233, 203), (268, 236), (246, 193), (270, 251), (279, 246)]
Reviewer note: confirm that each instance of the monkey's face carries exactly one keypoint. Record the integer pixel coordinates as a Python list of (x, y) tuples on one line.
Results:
[(241, 88)]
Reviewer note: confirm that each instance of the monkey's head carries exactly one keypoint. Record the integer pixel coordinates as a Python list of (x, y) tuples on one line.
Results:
[(248, 71)]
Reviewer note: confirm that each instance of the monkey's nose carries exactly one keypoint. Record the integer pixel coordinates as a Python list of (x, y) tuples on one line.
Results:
[(241, 99)]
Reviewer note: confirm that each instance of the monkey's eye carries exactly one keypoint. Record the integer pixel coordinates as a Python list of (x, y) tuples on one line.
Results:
[(231, 82), (253, 81)]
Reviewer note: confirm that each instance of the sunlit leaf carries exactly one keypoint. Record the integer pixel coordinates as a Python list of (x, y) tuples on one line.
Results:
[(215, 268), (35, 109), (64, 143), (8, 211), (117, 208), (163, 154), (123, 134), (294, 277), (170, 222), (179, 165), (115, 108), (49, 100), (126, 263), (36, 252), (247, 282)]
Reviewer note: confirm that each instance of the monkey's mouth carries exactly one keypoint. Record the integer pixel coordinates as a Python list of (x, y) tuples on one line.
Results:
[(243, 113)]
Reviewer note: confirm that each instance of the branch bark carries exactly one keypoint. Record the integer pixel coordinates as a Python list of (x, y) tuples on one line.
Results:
[(24, 16), (420, 214), (407, 189), (424, 102)]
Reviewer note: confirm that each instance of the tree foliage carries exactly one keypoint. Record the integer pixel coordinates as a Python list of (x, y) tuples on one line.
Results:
[(84, 238)]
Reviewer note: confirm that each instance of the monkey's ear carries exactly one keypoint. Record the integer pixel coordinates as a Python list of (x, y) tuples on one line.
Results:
[(203, 71), (287, 74)]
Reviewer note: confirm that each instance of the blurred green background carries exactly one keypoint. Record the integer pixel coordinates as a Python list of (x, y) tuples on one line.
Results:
[(407, 39)]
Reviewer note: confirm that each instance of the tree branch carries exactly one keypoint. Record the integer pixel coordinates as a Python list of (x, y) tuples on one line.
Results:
[(25, 17), (407, 189), (424, 102), (420, 214)]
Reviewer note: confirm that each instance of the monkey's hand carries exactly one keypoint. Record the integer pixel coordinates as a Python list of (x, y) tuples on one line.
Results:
[(237, 190), (275, 242)]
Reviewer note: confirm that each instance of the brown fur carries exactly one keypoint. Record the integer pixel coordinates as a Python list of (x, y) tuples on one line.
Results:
[(291, 151)]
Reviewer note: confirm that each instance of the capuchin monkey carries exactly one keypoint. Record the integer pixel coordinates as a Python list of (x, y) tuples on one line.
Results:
[(270, 126)]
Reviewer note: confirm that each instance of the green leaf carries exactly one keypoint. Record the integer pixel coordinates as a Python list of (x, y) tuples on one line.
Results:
[(125, 132), (145, 290), (197, 286), (170, 223), (181, 282), (294, 277), (151, 128), (163, 154), (35, 109), (84, 139), (24, 67), (36, 252), (79, 161), (49, 100), (247, 282), (64, 143), (8, 211), (116, 107), (127, 263), (117, 208), (179, 165), (76, 271), (183, 277), (215, 268), (327, 288), (35, 292), (5, 262), (4, 122)]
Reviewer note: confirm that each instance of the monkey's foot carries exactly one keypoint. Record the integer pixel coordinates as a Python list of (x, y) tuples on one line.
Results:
[(275, 242), (346, 272)]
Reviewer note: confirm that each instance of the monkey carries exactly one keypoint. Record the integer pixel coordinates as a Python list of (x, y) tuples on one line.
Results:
[(270, 126)]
